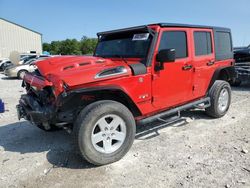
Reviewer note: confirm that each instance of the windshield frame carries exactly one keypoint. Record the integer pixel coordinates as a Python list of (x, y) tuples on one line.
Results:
[(144, 56), (142, 29)]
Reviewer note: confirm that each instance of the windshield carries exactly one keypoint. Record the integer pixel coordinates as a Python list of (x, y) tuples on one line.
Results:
[(29, 61), (134, 45), (26, 58)]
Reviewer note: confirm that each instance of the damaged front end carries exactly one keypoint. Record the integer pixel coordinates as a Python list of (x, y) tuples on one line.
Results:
[(32, 110), (59, 88), (39, 104), (49, 105)]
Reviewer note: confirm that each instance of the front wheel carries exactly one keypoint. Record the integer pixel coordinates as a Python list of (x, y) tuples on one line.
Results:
[(220, 98), (104, 132)]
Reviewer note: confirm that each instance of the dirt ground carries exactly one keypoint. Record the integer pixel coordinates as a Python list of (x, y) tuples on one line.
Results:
[(195, 152)]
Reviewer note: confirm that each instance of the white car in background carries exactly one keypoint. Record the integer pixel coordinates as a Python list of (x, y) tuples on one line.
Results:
[(26, 57), (18, 71)]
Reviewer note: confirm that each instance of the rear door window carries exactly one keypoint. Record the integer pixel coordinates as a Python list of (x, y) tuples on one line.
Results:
[(203, 43)]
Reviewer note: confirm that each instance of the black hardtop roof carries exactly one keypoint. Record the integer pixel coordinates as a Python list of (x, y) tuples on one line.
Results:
[(189, 26), (144, 27)]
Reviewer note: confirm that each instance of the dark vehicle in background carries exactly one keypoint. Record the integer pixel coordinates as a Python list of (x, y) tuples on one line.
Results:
[(242, 54), (24, 58), (242, 64), (4, 63)]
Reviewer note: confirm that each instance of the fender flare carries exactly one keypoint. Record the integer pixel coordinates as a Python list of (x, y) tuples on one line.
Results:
[(230, 71), (66, 97)]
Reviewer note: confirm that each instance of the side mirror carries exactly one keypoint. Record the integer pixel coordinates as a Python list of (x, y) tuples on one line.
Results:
[(166, 55)]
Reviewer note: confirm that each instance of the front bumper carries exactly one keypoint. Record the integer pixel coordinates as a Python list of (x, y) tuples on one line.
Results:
[(30, 109)]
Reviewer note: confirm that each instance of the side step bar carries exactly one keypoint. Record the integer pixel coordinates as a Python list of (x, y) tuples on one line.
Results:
[(201, 103), (142, 132)]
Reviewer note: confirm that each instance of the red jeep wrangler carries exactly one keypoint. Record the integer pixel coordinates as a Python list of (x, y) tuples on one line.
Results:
[(137, 76)]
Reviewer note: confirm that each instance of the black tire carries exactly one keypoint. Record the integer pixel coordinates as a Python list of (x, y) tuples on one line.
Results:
[(51, 129), (2, 67), (84, 126), (214, 93), (19, 74)]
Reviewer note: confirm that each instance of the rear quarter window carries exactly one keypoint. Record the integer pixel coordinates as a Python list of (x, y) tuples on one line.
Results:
[(223, 45), (224, 42)]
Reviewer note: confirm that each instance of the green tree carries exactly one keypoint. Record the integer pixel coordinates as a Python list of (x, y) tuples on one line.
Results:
[(46, 47), (71, 46), (55, 47), (88, 45)]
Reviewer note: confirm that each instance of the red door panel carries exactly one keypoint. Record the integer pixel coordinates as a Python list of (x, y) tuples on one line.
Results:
[(173, 85), (204, 63)]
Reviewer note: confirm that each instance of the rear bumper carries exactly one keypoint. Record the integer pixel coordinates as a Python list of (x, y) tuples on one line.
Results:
[(30, 109), (243, 70)]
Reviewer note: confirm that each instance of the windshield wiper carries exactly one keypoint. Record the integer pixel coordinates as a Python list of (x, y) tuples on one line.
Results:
[(119, 56)]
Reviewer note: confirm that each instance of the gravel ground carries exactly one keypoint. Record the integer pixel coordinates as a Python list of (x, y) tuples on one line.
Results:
[(195, 152)]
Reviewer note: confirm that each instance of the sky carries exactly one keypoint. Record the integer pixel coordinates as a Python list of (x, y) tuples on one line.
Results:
[(61, 19)]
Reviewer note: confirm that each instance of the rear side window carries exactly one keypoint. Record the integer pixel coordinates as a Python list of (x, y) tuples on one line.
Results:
[(203, 43), (176, 40), (224, 42)]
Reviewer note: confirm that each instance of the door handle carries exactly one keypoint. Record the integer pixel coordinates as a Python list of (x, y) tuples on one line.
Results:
[(187, 67), (210, 63)]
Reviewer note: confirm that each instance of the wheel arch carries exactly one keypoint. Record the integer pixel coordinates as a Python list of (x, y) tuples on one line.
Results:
[(223, 73), (78, 99)]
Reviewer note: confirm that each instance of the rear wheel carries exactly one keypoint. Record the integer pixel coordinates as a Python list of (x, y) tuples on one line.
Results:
[(104, 132), (220, 96)]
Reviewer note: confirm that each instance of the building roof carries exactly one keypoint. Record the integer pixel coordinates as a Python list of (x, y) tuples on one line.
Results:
[(20, 26)]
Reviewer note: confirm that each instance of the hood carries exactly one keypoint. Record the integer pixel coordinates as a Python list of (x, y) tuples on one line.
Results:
[(75, 70)]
